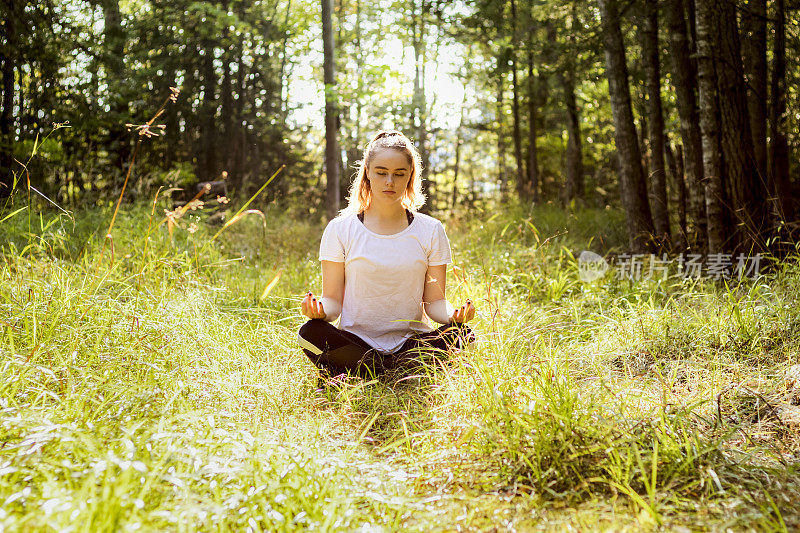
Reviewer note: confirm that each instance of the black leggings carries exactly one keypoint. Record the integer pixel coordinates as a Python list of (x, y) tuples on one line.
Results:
[(337, 351)]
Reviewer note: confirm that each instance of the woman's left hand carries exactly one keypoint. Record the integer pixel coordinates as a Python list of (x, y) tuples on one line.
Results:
[(465, 313)]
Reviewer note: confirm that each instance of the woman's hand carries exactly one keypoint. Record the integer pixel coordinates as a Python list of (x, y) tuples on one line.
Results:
[(464, 314), (311, 306)]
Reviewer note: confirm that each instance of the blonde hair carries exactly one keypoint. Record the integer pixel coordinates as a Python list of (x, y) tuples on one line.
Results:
[(360, 194)]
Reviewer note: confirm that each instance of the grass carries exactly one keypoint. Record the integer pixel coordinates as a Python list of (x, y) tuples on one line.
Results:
[(155, 386)]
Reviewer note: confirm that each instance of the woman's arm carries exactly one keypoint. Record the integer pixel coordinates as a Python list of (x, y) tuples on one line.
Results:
[(330, 305), (436, 305)]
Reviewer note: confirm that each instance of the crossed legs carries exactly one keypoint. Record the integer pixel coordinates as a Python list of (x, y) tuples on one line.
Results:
[(337, 351)]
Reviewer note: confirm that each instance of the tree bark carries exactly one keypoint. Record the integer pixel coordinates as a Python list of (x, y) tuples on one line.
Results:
[(523, 188), (207, 170), (533, 156), (420, 107), (632, 182), (779, 147), (754, 52), (574, 157), (502, 169), (282, 73), (747, 191), (675, 165), (460, 132), (115, 38), (459, 141), (657, 175), (684, 80), (6, 114), (691, 16), (240, 133), (227, 141), (533, 163), (332, 157), (712, 151)]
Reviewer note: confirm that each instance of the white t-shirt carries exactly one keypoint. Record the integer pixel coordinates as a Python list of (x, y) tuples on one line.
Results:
[(384, 276)]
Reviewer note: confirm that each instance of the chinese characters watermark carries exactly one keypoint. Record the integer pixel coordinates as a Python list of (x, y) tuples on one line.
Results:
[(636, 267)]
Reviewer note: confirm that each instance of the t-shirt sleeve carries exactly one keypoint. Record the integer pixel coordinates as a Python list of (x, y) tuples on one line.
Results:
[(331, 247), (439, 253)]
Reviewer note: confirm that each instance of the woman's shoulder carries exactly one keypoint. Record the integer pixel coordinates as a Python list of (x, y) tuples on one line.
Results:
[(427, 220), (341, 220)]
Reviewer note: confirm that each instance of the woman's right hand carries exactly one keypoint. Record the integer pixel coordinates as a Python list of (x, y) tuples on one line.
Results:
[(311, 306), (464, 314)]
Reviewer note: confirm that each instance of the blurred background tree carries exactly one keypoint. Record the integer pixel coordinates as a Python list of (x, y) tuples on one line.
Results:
[(507, 100)]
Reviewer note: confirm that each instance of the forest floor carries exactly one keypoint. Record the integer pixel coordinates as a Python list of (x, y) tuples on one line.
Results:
[(155, 384)]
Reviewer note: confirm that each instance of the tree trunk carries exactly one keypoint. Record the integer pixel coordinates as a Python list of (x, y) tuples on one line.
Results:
[(644, 146), (6, 114), (754, 51), (533, 156), (420, 107), (459, 140), (207, 170), (533, 163), (574, 157), (691, 16), (115, 38), (632, 182), (684, 81), (747, 191), (359, 68), (712, 152), (282, 82), (779, 147), (227, 141), (675, 164), (457, 165), (332, 157), (502, 168), (657, 175), (523, 188)]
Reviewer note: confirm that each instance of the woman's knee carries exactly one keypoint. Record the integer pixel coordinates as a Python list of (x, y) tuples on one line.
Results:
[(313, 328), (312, 334)]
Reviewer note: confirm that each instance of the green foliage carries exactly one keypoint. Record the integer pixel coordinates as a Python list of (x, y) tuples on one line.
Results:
[(147, 383)]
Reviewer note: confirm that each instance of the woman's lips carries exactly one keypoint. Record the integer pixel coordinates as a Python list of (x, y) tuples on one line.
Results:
[(389, 192)]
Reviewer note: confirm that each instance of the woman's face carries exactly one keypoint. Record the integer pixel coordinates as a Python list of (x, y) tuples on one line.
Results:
[(388, 174)]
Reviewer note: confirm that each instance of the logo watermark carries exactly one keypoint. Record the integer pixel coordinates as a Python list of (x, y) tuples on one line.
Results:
[(591, 266), (638, 267)]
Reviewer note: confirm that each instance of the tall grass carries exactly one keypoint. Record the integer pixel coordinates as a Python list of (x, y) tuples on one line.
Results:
[(160, 388)]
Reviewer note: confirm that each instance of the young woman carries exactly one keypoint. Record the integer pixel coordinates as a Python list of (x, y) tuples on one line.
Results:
[(383, 269)]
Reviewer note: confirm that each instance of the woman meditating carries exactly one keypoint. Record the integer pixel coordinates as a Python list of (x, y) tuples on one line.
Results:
[(383, 270)]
